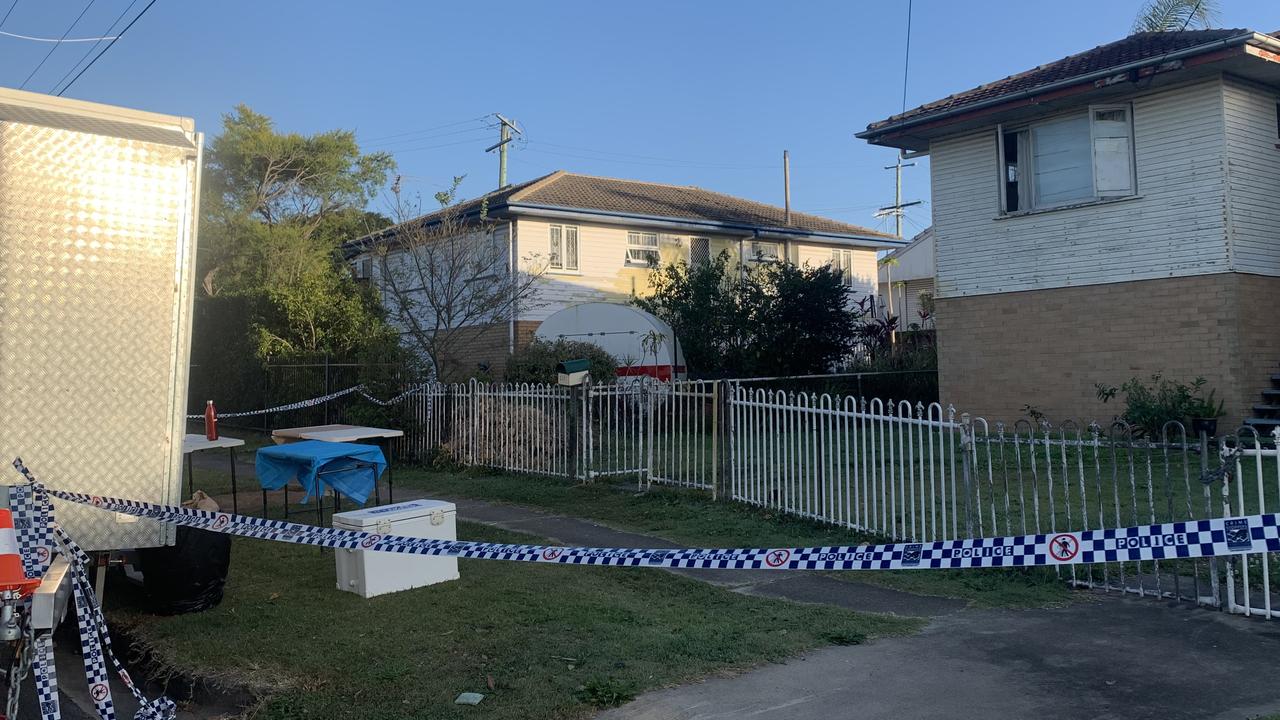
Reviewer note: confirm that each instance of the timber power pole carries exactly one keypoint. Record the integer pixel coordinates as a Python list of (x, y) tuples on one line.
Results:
[(897, 208), (505, 128)]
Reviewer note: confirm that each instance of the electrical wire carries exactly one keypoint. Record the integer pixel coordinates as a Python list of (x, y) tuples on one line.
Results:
[(95, 59), (427, 130), (1187, 21), (7, 13), (89, 52), (45, 59), (906, 61), (394, 143), (56, 41)]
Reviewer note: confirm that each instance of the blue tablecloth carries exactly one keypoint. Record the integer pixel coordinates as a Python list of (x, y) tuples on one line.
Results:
[(349, 468)]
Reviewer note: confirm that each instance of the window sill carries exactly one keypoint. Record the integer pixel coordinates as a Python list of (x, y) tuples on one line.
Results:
[(638, 266), (1073, 206), (557, 271)]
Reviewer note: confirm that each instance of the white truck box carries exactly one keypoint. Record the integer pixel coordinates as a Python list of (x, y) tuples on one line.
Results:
[(369, 573), (98, 213)]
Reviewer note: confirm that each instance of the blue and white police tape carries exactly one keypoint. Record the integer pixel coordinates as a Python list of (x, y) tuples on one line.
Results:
[(362, 390), (1187, 539), (38, 534)]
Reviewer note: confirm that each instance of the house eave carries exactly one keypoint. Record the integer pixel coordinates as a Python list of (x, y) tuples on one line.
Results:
[(896, 135), (697, 225)]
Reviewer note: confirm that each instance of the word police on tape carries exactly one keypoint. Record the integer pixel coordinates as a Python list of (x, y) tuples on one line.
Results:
[(1189, 539)]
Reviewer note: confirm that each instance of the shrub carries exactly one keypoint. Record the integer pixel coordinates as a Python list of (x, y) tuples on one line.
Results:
[(537, 362), (1149, 406)]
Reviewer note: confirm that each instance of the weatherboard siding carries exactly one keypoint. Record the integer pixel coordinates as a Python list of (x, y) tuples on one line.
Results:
[(1176, 225), (1253, 171), (864, 264), (603, 274)]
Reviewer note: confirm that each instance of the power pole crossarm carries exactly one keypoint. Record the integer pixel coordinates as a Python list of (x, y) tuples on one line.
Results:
[(505, 128)]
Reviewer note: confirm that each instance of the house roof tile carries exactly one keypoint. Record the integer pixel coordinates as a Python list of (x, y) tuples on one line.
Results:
[(1135, 48)]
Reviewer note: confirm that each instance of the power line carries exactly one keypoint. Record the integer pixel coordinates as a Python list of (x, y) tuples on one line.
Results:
[(434, 147), (906, 61), (55, 47), (426, 130), (136, 18), (8, 12), (56, 41), (89, 52), (428, 137)]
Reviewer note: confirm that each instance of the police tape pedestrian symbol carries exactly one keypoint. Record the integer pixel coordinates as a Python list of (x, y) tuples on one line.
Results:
[(1063, 548), (370, 541), (221, 521), (777, 558), (99, 692), (551, 553)]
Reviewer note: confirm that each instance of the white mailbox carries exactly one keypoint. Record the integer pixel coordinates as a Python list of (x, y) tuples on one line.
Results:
[(369, 573)]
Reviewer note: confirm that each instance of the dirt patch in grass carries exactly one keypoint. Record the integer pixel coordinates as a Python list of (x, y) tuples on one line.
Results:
[(540, 641)]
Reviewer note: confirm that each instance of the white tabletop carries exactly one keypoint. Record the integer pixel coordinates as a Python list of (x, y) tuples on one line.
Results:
[(196, 443), (334, 433)]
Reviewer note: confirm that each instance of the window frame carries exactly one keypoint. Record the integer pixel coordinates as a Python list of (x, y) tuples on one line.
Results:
[(842, 260), (1027, 192), (755, 258), (557, 260), (652, 252)]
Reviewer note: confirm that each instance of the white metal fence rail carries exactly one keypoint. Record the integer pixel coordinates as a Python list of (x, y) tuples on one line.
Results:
[(895, 470)]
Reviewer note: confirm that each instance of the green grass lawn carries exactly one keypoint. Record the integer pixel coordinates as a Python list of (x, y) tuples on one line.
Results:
[(692, 518), (540, 641)]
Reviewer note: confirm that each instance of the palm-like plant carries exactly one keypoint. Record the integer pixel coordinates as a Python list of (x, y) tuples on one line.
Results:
[(1175, 15)]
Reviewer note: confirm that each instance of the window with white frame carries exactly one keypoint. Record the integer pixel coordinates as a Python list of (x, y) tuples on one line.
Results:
[(642, 249), (563, 251), (1067, 160), (763, 252), (842, 262)]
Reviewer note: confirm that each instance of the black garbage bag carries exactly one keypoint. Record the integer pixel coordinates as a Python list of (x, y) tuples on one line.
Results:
[(188, 576)]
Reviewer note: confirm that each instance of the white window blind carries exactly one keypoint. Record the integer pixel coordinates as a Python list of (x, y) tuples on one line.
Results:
[(1061, 160), (842, 261), (563, 250), (763, 252), (642, 248), (555, 254)]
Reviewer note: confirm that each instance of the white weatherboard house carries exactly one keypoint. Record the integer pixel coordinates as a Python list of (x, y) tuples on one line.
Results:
[(597, 239), (906, 274), (1109, 215)]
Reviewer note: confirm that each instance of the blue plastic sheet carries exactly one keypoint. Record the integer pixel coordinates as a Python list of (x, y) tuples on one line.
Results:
[(349, 468)]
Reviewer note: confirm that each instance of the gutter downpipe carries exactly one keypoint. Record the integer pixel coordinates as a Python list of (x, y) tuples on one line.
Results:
[(511, 273), (1079, 80)]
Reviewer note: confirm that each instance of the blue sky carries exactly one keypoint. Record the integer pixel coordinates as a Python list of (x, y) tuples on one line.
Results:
[(695, 92)]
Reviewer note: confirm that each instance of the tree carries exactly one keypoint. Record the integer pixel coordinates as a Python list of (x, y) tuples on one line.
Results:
[(276, 207), (776, 319), (1176, 15), (447, 279)]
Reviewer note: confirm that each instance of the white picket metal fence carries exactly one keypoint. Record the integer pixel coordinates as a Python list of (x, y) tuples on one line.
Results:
[(891, 469)]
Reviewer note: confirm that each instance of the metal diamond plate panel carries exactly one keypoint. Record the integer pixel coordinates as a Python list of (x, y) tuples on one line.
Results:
[(95, 254)]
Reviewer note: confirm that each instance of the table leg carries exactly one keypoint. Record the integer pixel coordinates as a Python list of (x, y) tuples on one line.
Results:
[(320, 507), (386, 442), (264, 503), (235, 493), (191, 476)]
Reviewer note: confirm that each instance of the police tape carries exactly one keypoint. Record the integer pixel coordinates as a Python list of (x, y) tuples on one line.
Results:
[(361, 390), (38, 535), (1185, 539)]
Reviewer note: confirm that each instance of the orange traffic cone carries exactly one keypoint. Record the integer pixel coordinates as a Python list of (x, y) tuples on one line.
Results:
[(12, 576)]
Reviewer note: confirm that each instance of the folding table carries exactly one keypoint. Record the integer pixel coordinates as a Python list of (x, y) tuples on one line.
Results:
[(192, 444), (346, 434), (344, 467)]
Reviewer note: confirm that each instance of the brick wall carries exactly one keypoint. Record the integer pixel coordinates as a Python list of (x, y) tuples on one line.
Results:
[(488, 345), (1047, 348)]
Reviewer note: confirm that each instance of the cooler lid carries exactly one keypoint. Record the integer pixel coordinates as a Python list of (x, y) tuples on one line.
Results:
[(409, 510)]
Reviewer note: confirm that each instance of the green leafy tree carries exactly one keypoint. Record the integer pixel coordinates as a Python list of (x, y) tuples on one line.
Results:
[(275, 209), (773, 319), (536, 363), (1175, 15)]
